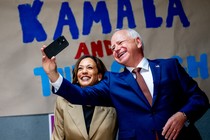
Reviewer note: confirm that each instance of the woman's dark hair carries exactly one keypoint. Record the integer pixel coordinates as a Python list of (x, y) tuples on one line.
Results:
[(99, 64)]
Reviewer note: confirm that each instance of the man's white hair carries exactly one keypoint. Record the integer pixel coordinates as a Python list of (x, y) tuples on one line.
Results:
[(134, 34)]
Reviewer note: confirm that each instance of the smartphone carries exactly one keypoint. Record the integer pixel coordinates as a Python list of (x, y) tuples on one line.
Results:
[(56, 47)]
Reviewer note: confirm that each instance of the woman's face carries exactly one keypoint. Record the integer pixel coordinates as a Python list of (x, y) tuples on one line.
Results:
[(87, 74)]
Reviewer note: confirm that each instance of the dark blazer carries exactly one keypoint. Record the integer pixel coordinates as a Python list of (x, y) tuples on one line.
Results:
[(174, 90)]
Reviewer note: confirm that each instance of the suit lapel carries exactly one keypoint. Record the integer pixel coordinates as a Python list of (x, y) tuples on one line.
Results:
[(77, 115), (131, 81), (99, 115), (155, 69)]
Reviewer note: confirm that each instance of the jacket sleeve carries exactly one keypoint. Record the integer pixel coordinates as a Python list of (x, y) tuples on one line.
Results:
[(196, 101), (98, 94)]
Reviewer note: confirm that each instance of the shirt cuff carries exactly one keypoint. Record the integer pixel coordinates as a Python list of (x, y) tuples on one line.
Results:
[(187, 122), (57, 83)]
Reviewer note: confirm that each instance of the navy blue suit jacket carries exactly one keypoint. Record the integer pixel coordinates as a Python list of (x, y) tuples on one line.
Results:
[(174, 90)]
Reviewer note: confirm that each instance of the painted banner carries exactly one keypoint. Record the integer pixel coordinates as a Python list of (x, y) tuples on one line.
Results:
[(169, 28)]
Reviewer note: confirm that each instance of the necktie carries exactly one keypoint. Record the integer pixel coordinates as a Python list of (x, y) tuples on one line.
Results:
[(142, 85)]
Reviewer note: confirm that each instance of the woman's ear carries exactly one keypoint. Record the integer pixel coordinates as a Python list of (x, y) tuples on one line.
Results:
[(99, 77)]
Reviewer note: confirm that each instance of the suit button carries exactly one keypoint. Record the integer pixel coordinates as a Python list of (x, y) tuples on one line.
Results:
[(153, 112)]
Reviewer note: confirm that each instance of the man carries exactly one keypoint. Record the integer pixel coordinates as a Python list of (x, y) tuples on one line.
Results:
[(177, 101)]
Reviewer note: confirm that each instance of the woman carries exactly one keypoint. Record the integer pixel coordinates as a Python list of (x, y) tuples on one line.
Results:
[(76, 122)]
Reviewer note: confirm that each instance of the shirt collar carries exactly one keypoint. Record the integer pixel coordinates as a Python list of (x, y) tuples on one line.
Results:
[(143, 64)]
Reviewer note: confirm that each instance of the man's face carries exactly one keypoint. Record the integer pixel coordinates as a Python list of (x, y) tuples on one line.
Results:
[(125, 49)]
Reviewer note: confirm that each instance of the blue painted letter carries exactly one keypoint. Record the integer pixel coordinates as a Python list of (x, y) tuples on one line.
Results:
[(150, 15), (101, 14), (122, 4), (31, 27), (194, 67), (176, 10), (66, 17)]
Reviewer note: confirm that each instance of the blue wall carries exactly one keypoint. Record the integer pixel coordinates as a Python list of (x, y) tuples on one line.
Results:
[(36, 127)]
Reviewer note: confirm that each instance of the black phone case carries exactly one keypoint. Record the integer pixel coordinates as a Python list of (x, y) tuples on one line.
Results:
[(56, 47)]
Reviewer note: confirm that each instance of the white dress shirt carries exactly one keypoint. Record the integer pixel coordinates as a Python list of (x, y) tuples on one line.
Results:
[(146, 73), (57, 83)]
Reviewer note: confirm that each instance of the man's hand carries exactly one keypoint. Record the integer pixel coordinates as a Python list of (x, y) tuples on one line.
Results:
[(49, 66), (173, 126)]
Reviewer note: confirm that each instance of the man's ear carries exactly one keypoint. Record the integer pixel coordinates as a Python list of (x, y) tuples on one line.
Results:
[(138, 42), (99, 77)]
